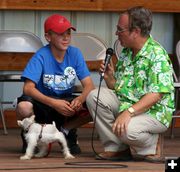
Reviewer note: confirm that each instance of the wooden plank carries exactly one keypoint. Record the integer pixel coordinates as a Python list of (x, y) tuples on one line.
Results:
[(93, 65), (90, 5), (17, 61), (154, 5), (10, 118), (14, 61), (87, 5)]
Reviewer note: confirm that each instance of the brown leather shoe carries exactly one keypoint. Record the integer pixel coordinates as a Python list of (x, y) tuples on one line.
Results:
[(158, 157), (108, 155)]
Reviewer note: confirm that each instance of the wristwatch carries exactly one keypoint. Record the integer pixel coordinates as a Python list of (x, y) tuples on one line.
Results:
[(131, 111)]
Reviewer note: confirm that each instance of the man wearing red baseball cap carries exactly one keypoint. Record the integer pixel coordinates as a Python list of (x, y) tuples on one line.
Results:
[(49, 80)]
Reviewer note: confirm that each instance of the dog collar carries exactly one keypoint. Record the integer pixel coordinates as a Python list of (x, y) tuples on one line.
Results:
[(27, 129)]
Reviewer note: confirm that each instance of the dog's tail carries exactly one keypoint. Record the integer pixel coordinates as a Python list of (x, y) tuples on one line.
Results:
[(53, 123)]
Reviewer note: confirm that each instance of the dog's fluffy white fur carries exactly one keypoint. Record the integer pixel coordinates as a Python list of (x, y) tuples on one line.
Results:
[(40, 136)]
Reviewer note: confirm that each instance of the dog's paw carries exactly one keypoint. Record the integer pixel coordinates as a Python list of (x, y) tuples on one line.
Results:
[(69, 156), (25, 157)]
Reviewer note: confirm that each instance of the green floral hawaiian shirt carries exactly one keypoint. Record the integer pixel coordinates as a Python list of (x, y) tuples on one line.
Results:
[(149, 71)]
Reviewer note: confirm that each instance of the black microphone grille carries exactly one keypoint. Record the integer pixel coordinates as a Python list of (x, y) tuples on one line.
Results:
[(110, 51)]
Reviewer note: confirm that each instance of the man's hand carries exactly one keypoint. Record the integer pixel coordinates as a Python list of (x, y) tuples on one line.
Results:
[(109, 70), (121, 123)]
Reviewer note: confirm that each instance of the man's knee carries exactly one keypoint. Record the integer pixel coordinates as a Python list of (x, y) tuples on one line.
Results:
[(91, 97), (131, 135), (24, 109)]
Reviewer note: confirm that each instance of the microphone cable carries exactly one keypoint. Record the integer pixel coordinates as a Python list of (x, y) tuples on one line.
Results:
[(93, 129), (109, 53), (94, 121)]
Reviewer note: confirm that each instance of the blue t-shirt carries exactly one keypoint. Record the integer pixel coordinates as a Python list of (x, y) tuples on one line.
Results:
[(53, 78)]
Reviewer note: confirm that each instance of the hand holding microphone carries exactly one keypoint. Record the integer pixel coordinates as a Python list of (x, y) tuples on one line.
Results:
[(109, 53)]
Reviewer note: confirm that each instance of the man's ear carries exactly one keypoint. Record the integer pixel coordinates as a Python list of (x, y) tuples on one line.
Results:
[(136, 32), (47, 37), (19, 123)]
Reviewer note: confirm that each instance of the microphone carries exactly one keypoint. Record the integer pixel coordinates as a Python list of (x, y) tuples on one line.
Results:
[(109, 53)]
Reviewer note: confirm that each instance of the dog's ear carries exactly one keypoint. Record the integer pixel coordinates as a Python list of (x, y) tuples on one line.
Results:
[(19, 123), (32, 117)]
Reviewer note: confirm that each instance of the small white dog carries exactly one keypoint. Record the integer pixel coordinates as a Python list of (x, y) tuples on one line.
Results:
[(40, 136)]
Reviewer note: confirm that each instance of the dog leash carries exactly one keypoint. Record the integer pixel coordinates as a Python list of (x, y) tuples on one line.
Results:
[(40, 134)]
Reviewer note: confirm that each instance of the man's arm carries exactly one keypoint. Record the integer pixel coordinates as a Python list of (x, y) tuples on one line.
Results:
[(146, 102), (87, 85)]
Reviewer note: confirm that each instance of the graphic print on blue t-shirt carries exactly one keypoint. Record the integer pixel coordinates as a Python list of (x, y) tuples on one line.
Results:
[(60, 82)]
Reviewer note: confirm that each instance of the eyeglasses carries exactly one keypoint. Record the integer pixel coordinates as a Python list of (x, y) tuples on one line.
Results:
[(120, 30)]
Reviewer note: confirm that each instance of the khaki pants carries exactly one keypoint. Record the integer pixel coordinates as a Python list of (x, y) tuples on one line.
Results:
[(142, 133)]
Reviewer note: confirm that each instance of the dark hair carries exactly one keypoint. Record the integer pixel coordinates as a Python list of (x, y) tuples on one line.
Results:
[(140, 17)]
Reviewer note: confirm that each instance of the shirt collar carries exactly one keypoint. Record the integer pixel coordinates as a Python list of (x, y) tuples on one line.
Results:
[(143, 52), (127, 52)]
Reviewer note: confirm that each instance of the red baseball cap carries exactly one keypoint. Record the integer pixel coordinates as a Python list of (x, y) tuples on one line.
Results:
[(57, 23)]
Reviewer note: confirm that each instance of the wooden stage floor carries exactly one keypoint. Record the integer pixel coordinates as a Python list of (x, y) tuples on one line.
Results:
[(10, 146)]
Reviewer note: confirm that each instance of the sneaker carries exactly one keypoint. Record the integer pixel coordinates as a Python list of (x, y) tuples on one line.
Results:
[(72, 142)]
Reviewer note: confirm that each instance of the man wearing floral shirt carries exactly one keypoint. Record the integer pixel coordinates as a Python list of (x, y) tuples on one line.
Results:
[(138, 104)]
